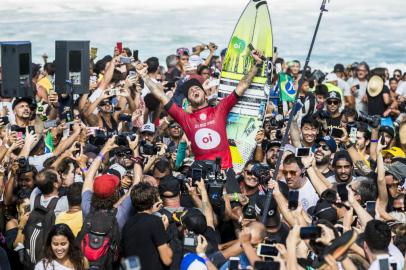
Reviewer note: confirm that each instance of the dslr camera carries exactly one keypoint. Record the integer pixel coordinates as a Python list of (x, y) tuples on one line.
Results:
[(372, 120), (147, 148), (190, 240)]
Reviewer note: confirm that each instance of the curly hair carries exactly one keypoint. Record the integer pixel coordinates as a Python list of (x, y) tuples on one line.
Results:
[(143, 196), (98, 203), (75, 254)]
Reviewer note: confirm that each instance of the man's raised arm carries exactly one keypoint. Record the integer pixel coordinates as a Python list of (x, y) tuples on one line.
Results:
[(155, 88), (247, 79)]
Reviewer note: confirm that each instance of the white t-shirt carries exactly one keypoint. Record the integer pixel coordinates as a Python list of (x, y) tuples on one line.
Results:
[(401, 90), (362, 91), (395, 256), (54, 265), (308, 196), (61, 206), (38, 161)]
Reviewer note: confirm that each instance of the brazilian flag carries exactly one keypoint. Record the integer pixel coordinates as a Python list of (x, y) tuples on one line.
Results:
[(49, 143), (286, 87)]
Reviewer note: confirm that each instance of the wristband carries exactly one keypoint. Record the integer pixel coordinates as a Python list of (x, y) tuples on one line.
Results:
[(84, 169), (101, 156), (374, 140), (236, 196)]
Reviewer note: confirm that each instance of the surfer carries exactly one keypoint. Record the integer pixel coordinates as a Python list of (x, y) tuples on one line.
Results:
[(205, 127)]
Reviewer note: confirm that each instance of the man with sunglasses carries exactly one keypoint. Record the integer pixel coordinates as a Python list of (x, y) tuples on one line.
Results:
[(325, 147), (333, 104)]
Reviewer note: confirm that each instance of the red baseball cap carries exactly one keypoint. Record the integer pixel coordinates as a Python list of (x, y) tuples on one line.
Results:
[(105, 185)]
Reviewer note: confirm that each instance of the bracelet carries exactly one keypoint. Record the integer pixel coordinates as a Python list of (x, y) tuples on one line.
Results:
[(374, 140), (236, 196), (84, 169), (101, 156)]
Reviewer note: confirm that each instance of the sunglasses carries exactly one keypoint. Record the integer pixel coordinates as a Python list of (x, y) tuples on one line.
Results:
[(249, 172), (333, 102), (285, 172), (174, 126), (323, 146), (104, 103)]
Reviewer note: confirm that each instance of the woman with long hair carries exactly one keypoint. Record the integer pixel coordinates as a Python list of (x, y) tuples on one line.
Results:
[(61, 251)]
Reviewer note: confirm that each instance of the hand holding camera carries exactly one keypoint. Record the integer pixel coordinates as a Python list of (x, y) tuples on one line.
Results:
[(201, 244)]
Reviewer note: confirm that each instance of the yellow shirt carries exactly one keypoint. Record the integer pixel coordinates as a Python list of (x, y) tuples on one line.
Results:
[(46, 84), (73, 220)]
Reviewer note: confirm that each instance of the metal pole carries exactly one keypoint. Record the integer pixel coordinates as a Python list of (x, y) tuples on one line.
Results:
[(286, 135)]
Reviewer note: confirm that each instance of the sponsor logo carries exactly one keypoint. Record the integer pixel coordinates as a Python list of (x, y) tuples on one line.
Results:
[(207, 138), (203, 116)]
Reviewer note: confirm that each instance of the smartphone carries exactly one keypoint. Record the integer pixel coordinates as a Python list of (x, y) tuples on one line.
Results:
[(302, 152), (131, 73), (234, 263), (5, 120), (278, 67), (119, 46), (261, 265), (275, 49), (370, 207), (124, 117), (125, 60), (196, 175), (336, 133), (357, 86), (266, 250), (135, 55), (131, 263), (342, 192), (384, 264), (311, 232), (293, 199), (112, 92), (214, 83), (50, 124), (382, 139)]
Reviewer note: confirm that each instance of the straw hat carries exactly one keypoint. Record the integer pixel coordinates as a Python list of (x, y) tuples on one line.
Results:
[(375, 86)]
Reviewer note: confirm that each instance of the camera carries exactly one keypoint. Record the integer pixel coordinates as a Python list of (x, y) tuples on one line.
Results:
[(124, 117), (23, 164), (147, 148), (374, 120), (190, 240), (276, 121), (261, 171)]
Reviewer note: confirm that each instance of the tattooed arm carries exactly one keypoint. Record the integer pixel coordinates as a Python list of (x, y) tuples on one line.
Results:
[(155, 88)]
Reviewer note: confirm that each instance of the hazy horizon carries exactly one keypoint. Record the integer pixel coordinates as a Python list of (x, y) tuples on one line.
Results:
[(351, 31)]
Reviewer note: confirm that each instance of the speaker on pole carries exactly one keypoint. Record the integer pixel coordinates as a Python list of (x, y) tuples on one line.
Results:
[(16, 69), (72, 66)]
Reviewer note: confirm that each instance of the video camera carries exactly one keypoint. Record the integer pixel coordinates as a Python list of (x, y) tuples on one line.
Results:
[(147, 148), (100, 137), (372, 120)]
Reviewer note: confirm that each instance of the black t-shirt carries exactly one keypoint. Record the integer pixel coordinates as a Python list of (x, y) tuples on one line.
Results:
[(376, 106), (279, 236), (334, 122), (328, 173), (141, 236)]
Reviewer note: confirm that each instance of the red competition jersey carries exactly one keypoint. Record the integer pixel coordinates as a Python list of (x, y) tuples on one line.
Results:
[(206, 129)]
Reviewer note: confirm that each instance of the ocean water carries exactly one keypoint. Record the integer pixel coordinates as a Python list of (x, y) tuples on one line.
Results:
[(370, 30)]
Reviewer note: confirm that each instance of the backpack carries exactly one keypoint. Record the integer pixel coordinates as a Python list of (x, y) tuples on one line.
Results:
[(36, 230), (99, 239)]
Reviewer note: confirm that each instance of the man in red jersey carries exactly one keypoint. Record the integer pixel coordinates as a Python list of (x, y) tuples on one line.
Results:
[(205, 127)]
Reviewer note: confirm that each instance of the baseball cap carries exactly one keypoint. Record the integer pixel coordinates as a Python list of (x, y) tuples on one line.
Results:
[(395, 152), (192, 261), (169, 184), (192, 219), (388, 129), (21, 99), (148, 127), (333, 95), (120, 169), (329, 141), (105, 185), (190, 83), (342, 154), (273, 218), (397, 169), (339, 68), (331, 77), (324, 210)]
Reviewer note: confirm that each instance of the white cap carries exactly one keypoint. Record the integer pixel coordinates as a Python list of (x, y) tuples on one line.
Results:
[(148, 127), (121, 170), (331, 77)]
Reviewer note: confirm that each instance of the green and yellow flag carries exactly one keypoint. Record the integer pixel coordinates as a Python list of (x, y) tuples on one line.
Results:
[(49, 143), (286, 87)]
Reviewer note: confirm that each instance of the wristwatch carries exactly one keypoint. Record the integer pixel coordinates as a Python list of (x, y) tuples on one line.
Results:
[(348, 144)]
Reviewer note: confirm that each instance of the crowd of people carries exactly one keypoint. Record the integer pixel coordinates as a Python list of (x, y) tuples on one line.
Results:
[(124, 176)]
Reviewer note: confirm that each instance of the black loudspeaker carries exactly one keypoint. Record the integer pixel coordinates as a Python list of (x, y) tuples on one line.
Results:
[(16, 69), (72, 66)]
